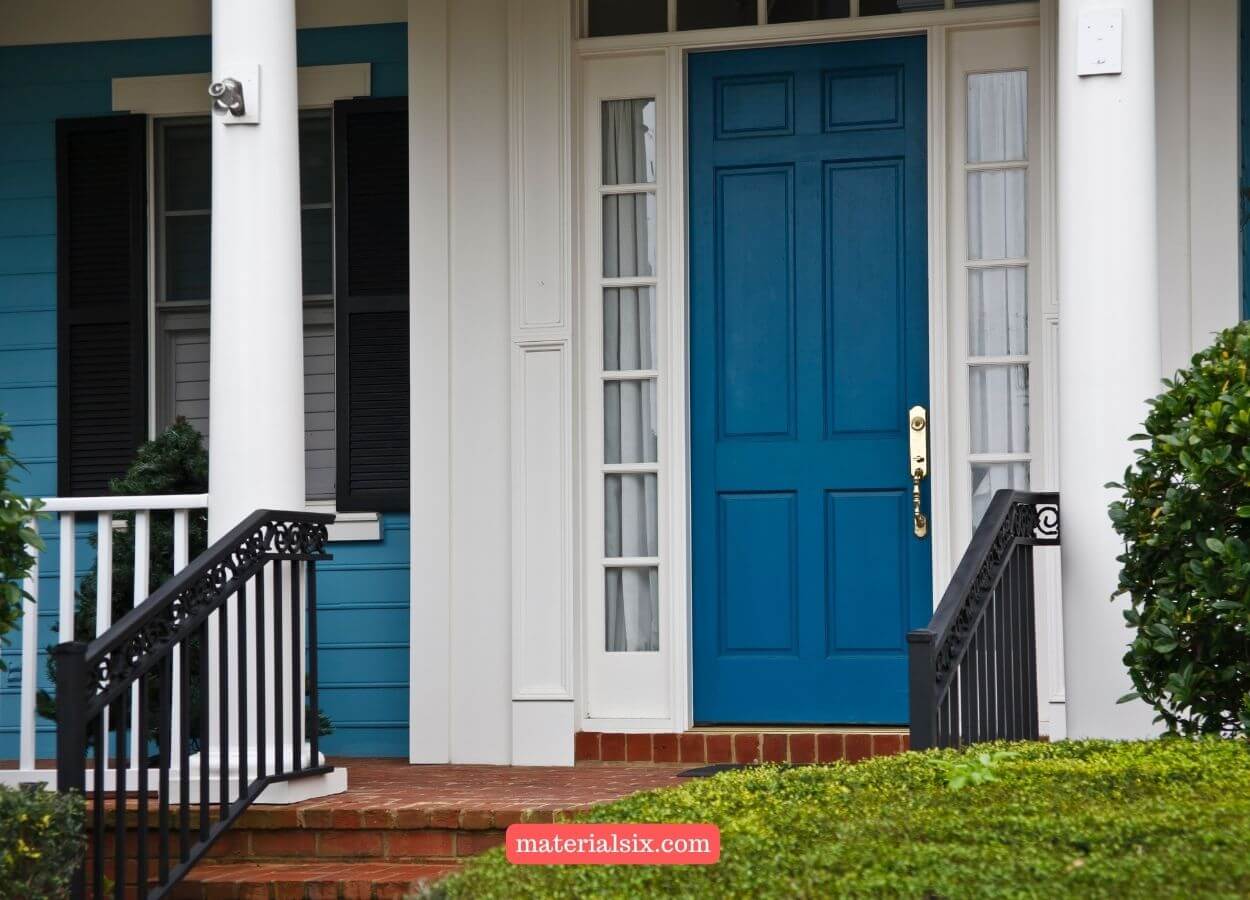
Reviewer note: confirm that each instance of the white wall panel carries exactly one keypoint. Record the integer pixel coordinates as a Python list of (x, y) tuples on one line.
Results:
[(539, 53), (1196, 115), (542, 619), (480, 534)]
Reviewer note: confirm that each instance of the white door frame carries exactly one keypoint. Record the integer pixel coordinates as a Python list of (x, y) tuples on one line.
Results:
[(672, 48)]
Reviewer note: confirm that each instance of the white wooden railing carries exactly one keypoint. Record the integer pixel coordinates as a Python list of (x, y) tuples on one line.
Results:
[(71, 510)]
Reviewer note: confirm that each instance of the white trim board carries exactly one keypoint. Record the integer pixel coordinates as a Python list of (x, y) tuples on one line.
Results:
[(177, 95), (81, 21)]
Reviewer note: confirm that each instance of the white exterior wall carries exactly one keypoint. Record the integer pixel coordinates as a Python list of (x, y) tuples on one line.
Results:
[(1197, 124), (491, 382), (480, 534)]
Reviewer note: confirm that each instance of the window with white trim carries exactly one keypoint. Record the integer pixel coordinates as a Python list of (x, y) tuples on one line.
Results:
[(182, 200), (997, 268), (630, 464), (628, 647)]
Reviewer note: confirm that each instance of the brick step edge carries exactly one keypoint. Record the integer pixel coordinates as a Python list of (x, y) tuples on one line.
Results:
[(357, 881), (269, 818), (330, 846), (704, 747)]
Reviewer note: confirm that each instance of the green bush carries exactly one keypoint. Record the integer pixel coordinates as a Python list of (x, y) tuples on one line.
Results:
[(174, 462), (16, 514), (1090, 819), (41, 843), (1185, 520)]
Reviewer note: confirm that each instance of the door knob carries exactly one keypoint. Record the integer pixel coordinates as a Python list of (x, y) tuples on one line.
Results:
[(918, 465)]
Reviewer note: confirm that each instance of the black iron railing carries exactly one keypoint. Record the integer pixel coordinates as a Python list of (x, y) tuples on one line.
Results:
[(973, 670), (135, 706)]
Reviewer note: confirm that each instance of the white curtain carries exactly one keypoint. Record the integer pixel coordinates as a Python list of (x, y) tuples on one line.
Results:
[(998, 395), (998, 116), (631, 510)]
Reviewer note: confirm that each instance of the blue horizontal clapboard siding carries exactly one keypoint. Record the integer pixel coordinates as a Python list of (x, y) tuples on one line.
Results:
[(364, 591)]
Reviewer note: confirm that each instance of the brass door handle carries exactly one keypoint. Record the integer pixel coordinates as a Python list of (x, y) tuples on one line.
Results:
[(918, 465)]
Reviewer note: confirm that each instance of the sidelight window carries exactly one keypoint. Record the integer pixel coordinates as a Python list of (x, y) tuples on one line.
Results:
[(997, 264), (628, 372)]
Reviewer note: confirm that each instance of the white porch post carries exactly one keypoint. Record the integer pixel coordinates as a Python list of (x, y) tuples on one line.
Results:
[(256, 380), (1109, 345)]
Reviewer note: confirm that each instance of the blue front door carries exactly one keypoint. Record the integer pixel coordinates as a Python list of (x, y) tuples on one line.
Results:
[(809, 337)]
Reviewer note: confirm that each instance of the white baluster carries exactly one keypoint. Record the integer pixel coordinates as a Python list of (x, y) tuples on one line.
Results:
[(104, 604), (30, 666), (182, 549), (66, 581), (143, 548)]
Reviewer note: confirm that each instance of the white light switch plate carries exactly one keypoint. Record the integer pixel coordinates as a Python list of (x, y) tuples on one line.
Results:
[(1100, 42)]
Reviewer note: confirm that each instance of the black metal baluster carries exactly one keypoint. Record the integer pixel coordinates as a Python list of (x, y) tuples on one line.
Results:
[(262, 687), (184, 751), (297, 671), (1023, 631), (1007, 608), (240, 615), (1022, 729), (1030, 634), (966, 693), (314, 709), (278, 670), (141, 740), (1001, 700), (165, 755), (120, 762), (223, 710), (979, 679), (204, 733), (97, 804)]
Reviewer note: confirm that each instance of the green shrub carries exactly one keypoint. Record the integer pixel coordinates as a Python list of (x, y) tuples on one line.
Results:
[(174, 462), (1089, 819), (16, 514), (41, 843), (1185, 520)]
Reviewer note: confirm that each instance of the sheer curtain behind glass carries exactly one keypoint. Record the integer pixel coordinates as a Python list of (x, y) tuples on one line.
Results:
[(998, 342), (630, 503)]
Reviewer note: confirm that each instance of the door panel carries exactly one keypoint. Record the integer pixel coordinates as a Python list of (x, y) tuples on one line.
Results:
[(809, 337)]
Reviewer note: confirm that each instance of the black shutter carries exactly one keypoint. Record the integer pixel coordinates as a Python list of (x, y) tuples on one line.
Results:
[(101, 189), (371, 303)]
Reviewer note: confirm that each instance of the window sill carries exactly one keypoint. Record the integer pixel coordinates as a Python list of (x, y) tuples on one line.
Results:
[(350, 526)]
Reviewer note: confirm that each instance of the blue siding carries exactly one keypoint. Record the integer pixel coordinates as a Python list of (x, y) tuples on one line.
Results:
[(364, 591)]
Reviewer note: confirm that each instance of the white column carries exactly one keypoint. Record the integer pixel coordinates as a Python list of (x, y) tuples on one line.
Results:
[(256, 376), (256, 380), (1109, 345)]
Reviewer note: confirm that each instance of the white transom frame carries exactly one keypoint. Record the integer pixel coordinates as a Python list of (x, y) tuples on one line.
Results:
[(655, 65)]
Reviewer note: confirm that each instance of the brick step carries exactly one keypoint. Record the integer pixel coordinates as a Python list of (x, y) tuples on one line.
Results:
[(392, 845), (322, 880), (745, 745), (417, 845)]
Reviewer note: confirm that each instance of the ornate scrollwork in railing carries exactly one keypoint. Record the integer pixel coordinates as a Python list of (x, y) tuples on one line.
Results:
[(148, 631), (149, 700), (1014, 520)]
